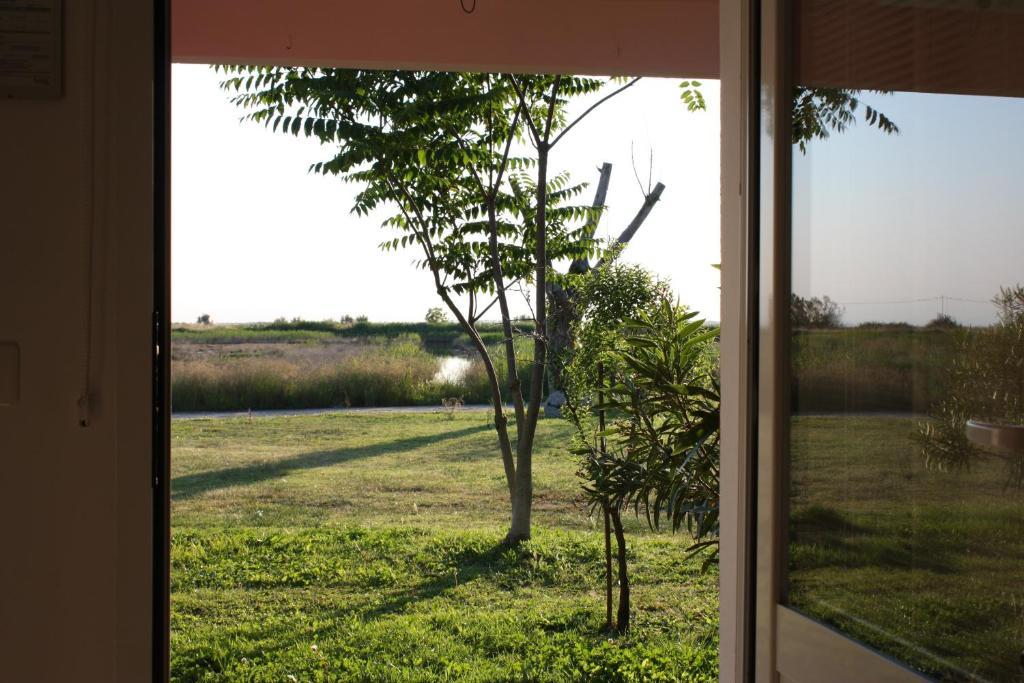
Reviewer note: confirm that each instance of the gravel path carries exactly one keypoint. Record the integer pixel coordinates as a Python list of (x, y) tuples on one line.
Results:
[(472, 407), (481, 407)]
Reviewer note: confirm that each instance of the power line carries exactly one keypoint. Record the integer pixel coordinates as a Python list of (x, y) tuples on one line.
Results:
[(970, 301), (940, 298)]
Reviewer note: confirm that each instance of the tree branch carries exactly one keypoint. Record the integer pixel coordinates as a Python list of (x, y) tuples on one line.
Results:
[(500, 421), (489, 306), (506, 322), (551, 109), (592, 108), (640, 217), (600, 198), (504, 157), (526, 110)]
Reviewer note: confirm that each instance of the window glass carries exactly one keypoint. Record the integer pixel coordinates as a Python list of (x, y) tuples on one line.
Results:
[(906, 457)]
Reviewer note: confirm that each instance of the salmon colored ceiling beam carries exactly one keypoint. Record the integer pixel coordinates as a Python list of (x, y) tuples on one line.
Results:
[(612, 37)]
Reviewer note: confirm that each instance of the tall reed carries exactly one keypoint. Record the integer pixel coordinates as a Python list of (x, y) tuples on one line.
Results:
[(379, 374)]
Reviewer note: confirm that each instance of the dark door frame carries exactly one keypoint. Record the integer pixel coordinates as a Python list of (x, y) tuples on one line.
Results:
[(161, 460), (161, 451)]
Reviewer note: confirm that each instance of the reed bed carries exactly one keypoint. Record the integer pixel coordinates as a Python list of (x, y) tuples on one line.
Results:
[(372, 373), (850, 369)]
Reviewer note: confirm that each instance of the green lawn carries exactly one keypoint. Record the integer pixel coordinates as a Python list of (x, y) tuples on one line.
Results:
[(367, 547), (925, 565)]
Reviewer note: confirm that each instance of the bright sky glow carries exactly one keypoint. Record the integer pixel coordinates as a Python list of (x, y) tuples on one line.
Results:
[(257, 237)]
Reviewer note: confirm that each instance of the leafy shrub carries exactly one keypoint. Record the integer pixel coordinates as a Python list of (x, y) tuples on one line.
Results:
[(814, 313), (437, 316), (663, 459), (942, 321), (1010, 303), (986, 382)]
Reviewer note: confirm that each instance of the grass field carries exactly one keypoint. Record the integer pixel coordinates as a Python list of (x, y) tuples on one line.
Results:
[(877, 369), (307, 364), (925, 565), (367, 547)]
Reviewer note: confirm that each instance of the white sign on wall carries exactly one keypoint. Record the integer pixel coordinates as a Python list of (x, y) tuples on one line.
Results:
[(30, 48)]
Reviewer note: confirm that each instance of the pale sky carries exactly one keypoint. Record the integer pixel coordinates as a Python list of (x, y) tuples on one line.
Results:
[(256, 237), (900, 228)]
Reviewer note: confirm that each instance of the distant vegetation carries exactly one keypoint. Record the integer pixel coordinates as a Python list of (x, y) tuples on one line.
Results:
[(437, 316), (325, 364), (814, 312), (888, 368), (943, 320), (435, 337), (308, 364)]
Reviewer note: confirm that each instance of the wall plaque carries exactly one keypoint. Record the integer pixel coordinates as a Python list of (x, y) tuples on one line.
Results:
[(30, 48)]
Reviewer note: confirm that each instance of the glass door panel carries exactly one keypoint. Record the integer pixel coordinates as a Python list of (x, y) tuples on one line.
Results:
[(905, 488)]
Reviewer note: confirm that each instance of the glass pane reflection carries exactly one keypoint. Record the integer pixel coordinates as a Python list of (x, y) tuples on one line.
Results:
[(906, 530)]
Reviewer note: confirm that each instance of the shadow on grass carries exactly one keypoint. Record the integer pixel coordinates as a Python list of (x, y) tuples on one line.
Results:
[(469, 565), (509, 568), (190, 485), (849, 545)]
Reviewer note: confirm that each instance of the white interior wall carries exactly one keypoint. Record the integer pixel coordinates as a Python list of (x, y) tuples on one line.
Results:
[(75, 184)]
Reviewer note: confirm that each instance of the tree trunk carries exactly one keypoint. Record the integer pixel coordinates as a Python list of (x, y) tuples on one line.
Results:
[(608, 623), (522, 494), (611, 516), (622, 620), (522, 508), (562, 314), (600, 197), (500, 420), (563, 305), (515, 390)]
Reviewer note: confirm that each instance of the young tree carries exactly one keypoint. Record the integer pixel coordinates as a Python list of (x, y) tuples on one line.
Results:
[(659, 455), (444, 152), (604, 299)]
